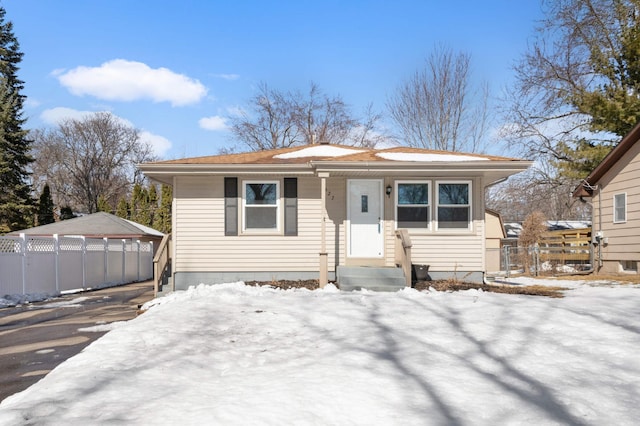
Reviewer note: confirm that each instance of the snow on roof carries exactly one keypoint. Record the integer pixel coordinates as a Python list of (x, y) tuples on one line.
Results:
[(319, 151), (413, 156)]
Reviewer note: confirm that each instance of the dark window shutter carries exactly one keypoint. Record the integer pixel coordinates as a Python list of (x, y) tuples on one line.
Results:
[(290, 206), (230, 206)]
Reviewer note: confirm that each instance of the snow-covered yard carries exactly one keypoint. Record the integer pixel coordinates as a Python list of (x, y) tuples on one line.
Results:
[(233, 354)]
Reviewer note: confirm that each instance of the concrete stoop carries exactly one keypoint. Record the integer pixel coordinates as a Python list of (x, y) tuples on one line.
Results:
[(370, 278)]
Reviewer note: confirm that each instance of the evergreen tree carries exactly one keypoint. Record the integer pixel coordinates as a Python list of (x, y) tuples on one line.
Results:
[(162, 218), (140, 211), (45, 207), (103, 205), (16, 204), (153, 204), (66, 212), (123, 208)]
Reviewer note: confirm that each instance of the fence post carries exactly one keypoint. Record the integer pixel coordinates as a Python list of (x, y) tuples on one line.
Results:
[(124, 261), (507, 261), (23, 256), (150, 266), (56, 254), (84, 262), (138, 262), (105, 241)]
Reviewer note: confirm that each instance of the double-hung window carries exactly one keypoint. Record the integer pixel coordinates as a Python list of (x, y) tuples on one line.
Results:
[(261, 204), (453, 205), (620, 208), (412, 205)]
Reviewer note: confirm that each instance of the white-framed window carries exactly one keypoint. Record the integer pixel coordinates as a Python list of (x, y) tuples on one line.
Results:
[(453, 205), (413, 209), (620, 208), (261, 206)]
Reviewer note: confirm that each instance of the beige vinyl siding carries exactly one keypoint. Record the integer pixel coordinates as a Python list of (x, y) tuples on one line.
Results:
[(623, 239), (202, 246), (449, 252), (442, 250)]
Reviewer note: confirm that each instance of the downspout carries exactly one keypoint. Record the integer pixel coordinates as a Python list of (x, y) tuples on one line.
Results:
[(600, 263)]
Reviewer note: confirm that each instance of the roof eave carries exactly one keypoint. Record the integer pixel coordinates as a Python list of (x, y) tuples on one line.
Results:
[(612, 158)]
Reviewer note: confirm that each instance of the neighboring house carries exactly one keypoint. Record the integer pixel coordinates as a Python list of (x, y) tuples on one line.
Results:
[(314, 212), (494, 235), (97, 225), (615, 197)]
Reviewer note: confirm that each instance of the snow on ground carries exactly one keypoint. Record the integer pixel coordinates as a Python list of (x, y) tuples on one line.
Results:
[(235, 355)]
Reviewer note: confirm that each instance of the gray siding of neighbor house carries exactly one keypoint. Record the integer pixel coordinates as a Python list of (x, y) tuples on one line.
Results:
[(622, 239), (203, 253)]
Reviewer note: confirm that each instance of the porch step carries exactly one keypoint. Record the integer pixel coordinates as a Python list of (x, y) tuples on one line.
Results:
[(376, 279)]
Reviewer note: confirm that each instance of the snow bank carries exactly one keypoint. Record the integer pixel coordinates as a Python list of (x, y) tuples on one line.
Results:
[(234, 355)]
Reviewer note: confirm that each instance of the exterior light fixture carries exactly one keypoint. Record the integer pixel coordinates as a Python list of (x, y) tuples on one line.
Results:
[(388, 190)]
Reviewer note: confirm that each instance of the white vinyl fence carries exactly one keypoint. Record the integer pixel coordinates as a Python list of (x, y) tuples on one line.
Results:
[(52, 265)]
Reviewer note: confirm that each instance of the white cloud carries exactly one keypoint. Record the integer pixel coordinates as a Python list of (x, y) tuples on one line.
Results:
[(59, 114), (159, 144), (229, 77), (122, 80), (214, 122)]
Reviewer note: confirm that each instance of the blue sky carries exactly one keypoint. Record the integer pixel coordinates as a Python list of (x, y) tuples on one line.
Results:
[(175, 69)]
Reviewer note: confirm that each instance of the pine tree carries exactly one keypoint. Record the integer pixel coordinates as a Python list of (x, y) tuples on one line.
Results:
[(140, 212), (153, 204), (162, 218), (45, 207), (66, 212), (16, 204), (103, 205), (123, 208)]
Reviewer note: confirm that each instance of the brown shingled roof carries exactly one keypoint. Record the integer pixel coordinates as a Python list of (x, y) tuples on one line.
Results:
[(360, 154)]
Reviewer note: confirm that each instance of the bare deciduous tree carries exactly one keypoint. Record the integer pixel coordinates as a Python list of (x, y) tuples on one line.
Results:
[(437, 108), (536, 190), (85, 159), (276, 119), (268, 123)]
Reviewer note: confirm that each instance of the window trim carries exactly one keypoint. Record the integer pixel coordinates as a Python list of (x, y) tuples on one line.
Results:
[(278, 207), (429, 204), (616, 207), (436, 189)]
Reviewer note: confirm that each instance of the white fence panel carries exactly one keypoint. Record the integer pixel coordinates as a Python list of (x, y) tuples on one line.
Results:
[(131, 261), (51, 265), (11, 266), (40, 265), (115, 262), (146, 260), (70, 264), (95, 267)]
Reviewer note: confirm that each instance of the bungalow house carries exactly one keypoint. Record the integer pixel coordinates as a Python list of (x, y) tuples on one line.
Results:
[(329, 212), (613, 190)]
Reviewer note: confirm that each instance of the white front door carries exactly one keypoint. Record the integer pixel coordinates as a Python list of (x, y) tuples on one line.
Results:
[(365, 217)]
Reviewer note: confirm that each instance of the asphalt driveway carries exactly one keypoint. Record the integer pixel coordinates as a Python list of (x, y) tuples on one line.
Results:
[(36, 337)]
